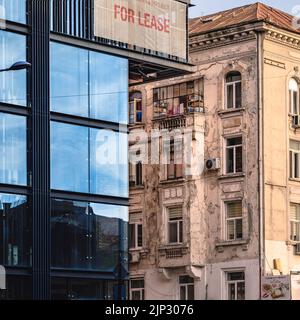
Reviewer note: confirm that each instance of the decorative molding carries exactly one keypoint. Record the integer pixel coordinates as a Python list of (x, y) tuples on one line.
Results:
[(290, 40), (274, 63)]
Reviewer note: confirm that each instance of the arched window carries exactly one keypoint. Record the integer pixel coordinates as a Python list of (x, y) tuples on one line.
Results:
[(233, 90), (294, 96), (135, 107)]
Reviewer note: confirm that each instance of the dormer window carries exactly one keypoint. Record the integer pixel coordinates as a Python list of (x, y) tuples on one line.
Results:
[(233, 90)]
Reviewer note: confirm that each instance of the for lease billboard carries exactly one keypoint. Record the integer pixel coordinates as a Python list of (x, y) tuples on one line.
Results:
[(158, 25)]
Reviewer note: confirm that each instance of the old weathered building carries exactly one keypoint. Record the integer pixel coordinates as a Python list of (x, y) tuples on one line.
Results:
[(209, 229)]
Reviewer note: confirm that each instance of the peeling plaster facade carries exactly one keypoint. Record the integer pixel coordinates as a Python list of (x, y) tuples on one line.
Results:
[(258, 52)]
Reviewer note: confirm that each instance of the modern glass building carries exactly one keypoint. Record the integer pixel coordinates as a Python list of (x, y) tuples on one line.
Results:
[(63, 150)]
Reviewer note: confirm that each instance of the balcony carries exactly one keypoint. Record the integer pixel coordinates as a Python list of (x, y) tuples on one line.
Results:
[(173, 256)]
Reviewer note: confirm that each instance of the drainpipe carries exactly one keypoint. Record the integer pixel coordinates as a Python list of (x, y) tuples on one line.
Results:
[(260, 66)]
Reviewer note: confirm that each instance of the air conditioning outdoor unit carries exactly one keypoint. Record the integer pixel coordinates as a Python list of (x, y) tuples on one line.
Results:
[(297, 249), (134, 257), (212, 164), (296, 121)]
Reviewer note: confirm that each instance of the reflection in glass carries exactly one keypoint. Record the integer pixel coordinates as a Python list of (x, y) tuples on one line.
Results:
[(88, 84), (109, 163), (12, 83), (69, 157), (69, 224), (13, 10), (107, 231), (108, 87), (13, 166), (15, 235), (88, 236), (69, 79)]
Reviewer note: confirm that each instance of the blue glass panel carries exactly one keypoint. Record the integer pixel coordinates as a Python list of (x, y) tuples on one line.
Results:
[(69, 157), (13, 154), (13, 10), (108, 87), (69, 80), (16, 231), (12, 83), (108, 163)]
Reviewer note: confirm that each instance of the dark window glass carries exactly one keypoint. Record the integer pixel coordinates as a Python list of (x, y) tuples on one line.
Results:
[(139, 173), (17, 288), (82, 289), (234, 90), (12, 84), (13, 153), (69, 157), (69, 80), (230, 96), (88, 84), (132, 236), (70, 232), (173, 232), (140, 235), (233, 76), (238, 95), (234, 155), (296, 165), (13, 10), (295, 102), (87, 235), (16, 229), (229, 160), (108, 163), (108, 87)]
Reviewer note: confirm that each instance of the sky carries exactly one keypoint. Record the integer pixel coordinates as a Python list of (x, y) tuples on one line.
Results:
[(204, 7)]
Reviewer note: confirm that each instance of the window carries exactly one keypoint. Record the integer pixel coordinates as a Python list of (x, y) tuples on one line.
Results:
[(137, 291), (295, 222), (87, 235), (235, 284), (16, 231), (13, 149), (88, 160), (136, 174), (135, 235), (89, 84), (183, 98), (12, 84), (234, 220), (234, 155), (186, 285), (294, 159), (135, 108), (233, 90), (294, 97), (13, 10), (175, 166), (175, 225)]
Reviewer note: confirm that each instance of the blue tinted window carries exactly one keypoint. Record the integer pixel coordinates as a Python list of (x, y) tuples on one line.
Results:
[(108, 87), (16, 230), (13, 155), (69, 80), (69, 157), (88, 160), (88, 83), (13, 10), (12, 83), (87, 235), (109, 163)]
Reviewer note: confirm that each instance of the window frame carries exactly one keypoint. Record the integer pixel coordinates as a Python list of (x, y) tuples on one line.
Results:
[(226, 220), (291, 98), (235, 282), (292, 164), (294, 223), (186, 287), (179, 226), (226, 147), (177, 168), (140, 290), (234, 88), (138, 226)]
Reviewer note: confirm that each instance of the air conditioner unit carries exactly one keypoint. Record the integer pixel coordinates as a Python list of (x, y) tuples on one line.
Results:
[(296, 121), (297, 249), (134, 257), (212, 164)]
